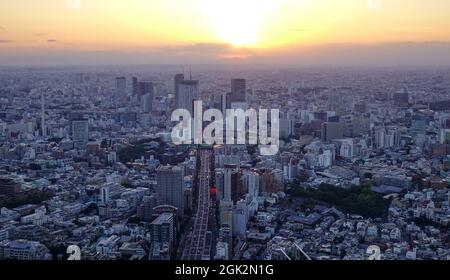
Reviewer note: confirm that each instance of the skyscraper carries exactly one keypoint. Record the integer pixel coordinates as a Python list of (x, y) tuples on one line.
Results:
[(162, 229), (145, 87), (240, 218), (135, 83), (332, 130), (146, 93), (104, 195), (380, 135), (80, 132), (238, 91), (230, 186), (147, 103), (224, 102), (121, 87), (177, 80), (227, 174), (145, 209), (188, 92), (169, 181), (286, 125)]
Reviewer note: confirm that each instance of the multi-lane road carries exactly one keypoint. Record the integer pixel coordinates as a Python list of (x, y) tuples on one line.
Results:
[(199, 239)]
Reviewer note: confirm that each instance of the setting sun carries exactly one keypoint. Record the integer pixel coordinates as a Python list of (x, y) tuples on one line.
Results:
[(238, 22)]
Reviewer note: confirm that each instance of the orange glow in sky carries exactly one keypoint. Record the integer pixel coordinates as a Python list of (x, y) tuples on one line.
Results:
[(100, 24), (259, 25)]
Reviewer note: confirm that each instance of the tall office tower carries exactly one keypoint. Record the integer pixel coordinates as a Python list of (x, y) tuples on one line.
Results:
[(252, 181), (104, 195), (145, 87), (147, 103), (224, 102), (401, 98), (219, 180), (145, 209), (380, 136), (361, 125), (162, 229), (121, 87), (240, 218), (188, 199), (80, 132), (332, 130), (392, 138), (169, 185), (226, 203), (286, 126), (334, 102), (418, 125), (232, 188), (340, 100), (188, 91), (226, 213), (135, 83), (238, 91), (43, 127), (177, 80), (229, 170)]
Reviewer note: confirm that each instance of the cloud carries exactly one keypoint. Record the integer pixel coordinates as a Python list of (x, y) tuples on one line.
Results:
[(199, 48), (5, 41), (205, 52), (383, 54), (410, 29), (52, 41), (2, 28)]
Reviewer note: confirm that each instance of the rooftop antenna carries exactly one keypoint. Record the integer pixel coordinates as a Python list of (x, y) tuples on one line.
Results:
[(190, 73)]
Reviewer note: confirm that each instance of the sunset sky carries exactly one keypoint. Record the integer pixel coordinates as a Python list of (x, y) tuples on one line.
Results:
[(208, 31)]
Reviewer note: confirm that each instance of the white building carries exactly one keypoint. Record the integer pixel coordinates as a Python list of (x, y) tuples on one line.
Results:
[(38, 218), (240, 218), (109, 246), (222, 251), (23, 250)]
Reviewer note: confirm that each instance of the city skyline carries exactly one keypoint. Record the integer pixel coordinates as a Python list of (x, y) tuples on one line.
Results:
[(224, 130)]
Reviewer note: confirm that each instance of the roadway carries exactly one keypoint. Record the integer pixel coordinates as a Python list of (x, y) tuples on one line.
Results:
[(198, 242)]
